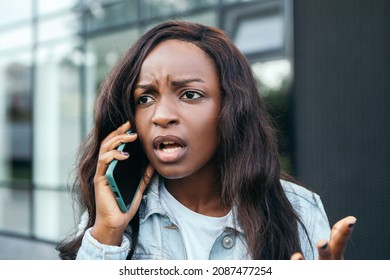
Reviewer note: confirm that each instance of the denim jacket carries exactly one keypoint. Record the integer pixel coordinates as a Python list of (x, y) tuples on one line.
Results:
[(160, 239)]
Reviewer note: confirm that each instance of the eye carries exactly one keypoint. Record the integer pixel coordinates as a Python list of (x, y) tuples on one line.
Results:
[(191, 95), (144, 100)]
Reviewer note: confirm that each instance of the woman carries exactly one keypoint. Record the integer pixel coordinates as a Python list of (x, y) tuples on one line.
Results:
[(212, 187)]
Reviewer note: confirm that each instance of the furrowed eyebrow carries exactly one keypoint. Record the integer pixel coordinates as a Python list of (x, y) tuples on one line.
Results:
[(179, 83), (176, 83), (144, 86)]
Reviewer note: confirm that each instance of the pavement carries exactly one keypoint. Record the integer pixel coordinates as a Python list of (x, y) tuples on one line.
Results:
[(19, 248)]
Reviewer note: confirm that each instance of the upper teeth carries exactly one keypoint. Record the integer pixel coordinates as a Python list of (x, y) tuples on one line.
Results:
[(170, 146)]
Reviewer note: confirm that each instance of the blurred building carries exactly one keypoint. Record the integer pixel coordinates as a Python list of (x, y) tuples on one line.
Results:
[(321, 67)]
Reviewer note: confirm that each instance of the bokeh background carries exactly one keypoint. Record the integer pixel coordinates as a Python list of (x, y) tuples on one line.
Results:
[(323, 68)]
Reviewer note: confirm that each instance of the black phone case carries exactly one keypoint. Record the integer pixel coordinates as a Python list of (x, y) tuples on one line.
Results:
[(124, 176)]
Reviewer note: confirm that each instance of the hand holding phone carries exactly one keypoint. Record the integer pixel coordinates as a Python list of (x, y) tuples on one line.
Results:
[(125, 176), (111, 220)]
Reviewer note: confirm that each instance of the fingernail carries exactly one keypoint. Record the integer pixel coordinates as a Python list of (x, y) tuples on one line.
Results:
[(131, 132), (126, 154), (352, 224)]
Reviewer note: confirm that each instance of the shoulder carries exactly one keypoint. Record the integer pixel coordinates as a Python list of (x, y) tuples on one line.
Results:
[(311, 212), (307, 205), (298, 195)]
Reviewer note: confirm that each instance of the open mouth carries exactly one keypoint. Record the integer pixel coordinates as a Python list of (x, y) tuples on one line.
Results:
[(170, 146)]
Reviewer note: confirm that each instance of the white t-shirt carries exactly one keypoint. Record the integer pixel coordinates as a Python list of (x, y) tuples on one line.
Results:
[(199, 232)]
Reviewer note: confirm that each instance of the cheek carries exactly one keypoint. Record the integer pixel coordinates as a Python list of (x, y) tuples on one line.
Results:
[(140, 121), (206, 137)]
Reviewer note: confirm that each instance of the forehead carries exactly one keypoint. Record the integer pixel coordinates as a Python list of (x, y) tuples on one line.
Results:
[(178, 57)]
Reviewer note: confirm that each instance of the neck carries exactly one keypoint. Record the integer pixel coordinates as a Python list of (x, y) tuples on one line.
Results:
[(199, 192)]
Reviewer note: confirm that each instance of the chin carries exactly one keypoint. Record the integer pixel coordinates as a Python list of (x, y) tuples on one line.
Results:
[(172, 173)]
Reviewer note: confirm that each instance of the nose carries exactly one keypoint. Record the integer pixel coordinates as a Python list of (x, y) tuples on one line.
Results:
[(165, 113)]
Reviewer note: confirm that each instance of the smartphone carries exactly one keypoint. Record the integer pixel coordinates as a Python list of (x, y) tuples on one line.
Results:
[(125, 176)]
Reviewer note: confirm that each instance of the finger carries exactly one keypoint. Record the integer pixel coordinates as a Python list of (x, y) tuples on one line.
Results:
[(297, 257), (324, 250), (114, 142), (106, 158), (340, 236), (120, 130)]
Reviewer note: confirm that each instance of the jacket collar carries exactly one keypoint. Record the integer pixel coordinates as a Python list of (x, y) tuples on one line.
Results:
[(151, 204)]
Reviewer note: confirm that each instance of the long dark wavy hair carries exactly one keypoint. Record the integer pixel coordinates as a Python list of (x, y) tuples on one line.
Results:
[(247, 157)]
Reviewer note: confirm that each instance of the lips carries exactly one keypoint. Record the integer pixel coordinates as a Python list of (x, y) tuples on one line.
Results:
[(169, 148)]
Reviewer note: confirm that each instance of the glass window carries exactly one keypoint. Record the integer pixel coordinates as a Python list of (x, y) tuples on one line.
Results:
[(261, 34), (236, 1), (16, 38), (15, 142), (50, 6), (14, 11), (54, 216), (260, 29), (207, 18), (57, 113), (57, 133), (15, 209), (15, 117), (58, 28), (155, 8), (102, 54), (100, 17)]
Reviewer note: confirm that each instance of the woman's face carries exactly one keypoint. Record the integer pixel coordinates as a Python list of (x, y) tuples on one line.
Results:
[(178, 104)]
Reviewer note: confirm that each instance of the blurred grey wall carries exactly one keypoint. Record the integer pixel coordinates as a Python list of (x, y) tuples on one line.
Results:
[(340, 101)]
